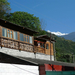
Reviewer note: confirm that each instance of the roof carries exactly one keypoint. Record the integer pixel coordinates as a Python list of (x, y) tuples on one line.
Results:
[(30, 61), (44, 37), (16, 27), (42, 62)]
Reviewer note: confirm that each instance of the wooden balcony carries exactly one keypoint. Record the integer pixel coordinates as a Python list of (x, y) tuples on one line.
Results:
[(14, 44), (22, 46), (39, 49)]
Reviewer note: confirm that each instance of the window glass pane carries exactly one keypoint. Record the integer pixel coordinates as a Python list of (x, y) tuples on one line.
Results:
[(47, 47), (8, 34), (4, 32), (21, 37), (11, 36), (11, 31), (27, 38), (8, 30), (15, 35), (30, 40)]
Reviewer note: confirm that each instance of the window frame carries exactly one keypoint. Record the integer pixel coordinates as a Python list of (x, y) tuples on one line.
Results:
[(47, 46), (10, 34), (32, 39), (42, 45), (18, 36), (3, 33), (26, 38)]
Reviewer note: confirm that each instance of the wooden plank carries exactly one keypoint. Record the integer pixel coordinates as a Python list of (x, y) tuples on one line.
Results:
[(47, 51)]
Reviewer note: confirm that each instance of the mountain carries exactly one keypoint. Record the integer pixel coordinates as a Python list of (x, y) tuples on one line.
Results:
[(70, 36), (65, 49)]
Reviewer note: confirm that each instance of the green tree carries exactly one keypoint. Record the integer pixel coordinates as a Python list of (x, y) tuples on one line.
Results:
[(25, 19), (4, 8)]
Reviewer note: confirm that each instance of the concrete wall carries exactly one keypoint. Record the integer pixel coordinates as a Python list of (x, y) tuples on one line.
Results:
[(14, 52), (14, 69)]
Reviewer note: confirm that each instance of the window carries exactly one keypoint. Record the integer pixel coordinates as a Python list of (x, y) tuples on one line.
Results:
[(9, 33), (26, 38), (42, 45), (47, 46), (21, 37), (30, 40), (4, 32), (15, 35)]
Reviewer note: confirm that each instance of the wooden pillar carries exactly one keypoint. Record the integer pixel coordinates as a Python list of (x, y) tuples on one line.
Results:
[(0, 34), (18, 35), (0, 31)]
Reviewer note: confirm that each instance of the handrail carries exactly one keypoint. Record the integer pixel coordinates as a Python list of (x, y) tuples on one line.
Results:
[(39, 49)]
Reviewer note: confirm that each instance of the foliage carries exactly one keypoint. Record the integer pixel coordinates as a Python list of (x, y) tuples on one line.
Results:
[(66, 46), (64, 49), (25, 19), (4, 8)]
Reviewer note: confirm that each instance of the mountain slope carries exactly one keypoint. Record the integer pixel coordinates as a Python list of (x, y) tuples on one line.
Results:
[(70, 36), (65, 49)]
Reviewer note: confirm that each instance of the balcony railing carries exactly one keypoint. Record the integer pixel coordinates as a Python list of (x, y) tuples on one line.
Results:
[(39, 49), (13, 44)]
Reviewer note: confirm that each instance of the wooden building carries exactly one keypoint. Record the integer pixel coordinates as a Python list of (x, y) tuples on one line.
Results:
[(19, 38), (43, 44), (16, 37), (18, 46)]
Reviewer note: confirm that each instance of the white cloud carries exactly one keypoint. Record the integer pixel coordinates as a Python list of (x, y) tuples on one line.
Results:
[(58, 33)]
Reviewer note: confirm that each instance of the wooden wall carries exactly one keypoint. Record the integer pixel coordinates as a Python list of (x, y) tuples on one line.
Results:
[(50, 50)]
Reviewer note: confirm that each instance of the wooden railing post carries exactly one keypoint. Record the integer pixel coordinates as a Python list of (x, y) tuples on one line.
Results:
[(0, 41)]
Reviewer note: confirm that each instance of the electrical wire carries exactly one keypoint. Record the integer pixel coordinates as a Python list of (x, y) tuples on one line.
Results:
[(24, 69), (35, 11)]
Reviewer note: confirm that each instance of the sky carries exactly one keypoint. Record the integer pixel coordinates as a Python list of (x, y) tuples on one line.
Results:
[(58, 15)]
